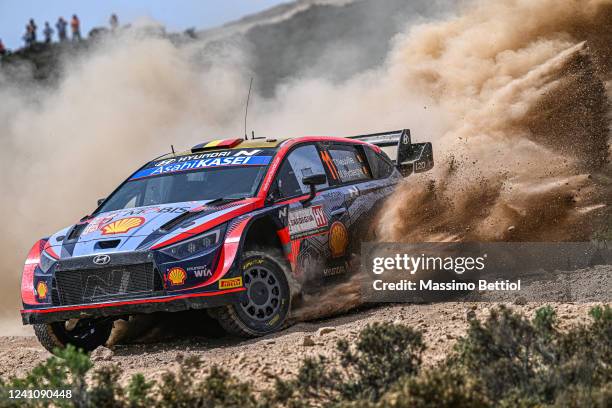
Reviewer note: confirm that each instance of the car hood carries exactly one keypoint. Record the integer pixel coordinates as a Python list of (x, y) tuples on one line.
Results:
[(134, 228)]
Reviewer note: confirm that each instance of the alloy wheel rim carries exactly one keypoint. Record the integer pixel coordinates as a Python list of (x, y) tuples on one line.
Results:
[(263, 293)]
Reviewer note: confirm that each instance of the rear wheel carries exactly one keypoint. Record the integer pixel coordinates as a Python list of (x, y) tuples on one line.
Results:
[(268, 297), (86, 334)]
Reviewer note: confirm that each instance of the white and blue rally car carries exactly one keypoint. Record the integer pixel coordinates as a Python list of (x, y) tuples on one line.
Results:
[(237, 227)]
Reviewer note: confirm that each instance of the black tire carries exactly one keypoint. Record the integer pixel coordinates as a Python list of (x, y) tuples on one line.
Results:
[(87, 334), (266, 276)]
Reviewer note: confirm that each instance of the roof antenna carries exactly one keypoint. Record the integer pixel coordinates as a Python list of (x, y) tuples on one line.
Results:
[(246, 111), (172, 147)]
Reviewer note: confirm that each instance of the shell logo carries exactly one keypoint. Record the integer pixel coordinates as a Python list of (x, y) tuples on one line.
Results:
[(177, 276), (122, 226), (41, 290), (338, 239)]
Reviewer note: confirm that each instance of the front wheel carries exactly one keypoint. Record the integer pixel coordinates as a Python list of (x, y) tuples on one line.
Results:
[(268, 297), (85, 334)]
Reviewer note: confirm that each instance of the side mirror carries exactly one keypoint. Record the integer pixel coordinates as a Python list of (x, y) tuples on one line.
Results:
[(101, 201), (313, 181)]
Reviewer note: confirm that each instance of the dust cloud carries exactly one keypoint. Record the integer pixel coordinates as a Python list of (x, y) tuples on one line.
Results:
[(115, 108), (526, 153), (511, 93), (518, 91)]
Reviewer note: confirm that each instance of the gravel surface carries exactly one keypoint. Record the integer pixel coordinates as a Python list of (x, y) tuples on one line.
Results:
[(258, 360)]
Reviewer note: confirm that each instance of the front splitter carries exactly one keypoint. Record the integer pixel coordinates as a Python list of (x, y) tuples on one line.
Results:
[(168, 303)]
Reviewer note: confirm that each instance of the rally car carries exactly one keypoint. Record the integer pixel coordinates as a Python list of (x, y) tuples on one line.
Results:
[(239, 227)]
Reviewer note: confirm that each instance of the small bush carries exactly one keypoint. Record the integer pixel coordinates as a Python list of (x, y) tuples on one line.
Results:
[(65, 370), (383, 354), (218, 389), (526, 363), (439, 387), (502, 351), (105, 390), (139, 392)]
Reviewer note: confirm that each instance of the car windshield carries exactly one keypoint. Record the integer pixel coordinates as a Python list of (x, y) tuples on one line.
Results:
[(166, 182)]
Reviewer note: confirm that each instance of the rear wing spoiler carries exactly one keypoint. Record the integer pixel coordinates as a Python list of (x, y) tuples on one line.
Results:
[(408, 157)]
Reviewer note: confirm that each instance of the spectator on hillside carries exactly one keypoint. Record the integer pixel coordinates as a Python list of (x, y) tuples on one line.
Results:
[(28, 36), (2, 49), (61, 29), (114, 22), (75, 24), (33, 27), (48, 32)]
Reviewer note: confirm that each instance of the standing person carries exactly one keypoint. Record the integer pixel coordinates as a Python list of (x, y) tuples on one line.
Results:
[(61, 29), (48, 32), (75, 24), (2, 48), (114, 22), (34, 27), (27, 37)]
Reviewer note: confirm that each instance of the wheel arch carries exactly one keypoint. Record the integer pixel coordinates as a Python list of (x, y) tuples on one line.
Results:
[(268, 231)]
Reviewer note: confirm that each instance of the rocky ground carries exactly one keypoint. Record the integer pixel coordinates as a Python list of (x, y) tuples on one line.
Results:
[(260, 359)]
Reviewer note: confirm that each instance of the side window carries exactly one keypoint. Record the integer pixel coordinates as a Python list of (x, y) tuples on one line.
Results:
[(301, 162), (380, 164), (347, 163)]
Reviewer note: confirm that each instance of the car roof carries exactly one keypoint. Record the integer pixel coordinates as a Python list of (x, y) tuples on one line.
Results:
[(257, 143)]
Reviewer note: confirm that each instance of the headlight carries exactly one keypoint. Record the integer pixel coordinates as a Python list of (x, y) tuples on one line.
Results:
[(46, 262), (193, 246)]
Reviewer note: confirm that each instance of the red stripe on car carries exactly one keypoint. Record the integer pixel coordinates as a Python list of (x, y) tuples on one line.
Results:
[(132, 302)]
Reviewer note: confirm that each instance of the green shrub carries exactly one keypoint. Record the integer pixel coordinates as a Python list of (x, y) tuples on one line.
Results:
[(218, 389), (499, 351), (577, 396), (65, 370), (585, 352), (383, 353), (139, 392), (438, 387), (526, 363), (106, 391)]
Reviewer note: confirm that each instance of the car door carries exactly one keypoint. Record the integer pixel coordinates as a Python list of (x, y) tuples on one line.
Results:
[(352, 176), (312, 257)]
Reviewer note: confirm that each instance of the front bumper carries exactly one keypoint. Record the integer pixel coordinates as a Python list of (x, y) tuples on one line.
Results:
[(169, 303), (129, 283)]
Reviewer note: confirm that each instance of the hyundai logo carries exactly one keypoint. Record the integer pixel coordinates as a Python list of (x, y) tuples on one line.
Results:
[(101, 259)]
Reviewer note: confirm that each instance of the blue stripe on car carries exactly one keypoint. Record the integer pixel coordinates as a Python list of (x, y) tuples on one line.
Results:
[(202, 164)]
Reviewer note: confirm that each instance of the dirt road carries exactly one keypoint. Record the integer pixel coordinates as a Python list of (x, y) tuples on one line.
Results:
[(279, 354)]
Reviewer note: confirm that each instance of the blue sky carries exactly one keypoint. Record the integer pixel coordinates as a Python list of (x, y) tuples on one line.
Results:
[(176, 15)]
